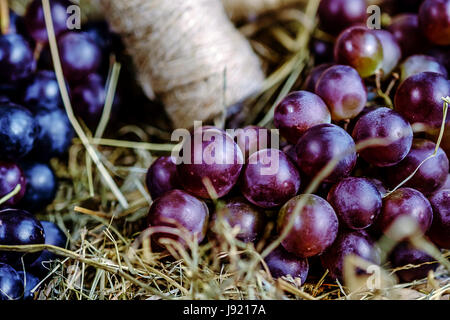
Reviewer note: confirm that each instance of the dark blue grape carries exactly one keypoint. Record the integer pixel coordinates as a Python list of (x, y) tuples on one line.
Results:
[(11, 285)]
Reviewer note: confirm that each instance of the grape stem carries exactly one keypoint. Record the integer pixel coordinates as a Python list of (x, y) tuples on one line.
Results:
[(11, 194)]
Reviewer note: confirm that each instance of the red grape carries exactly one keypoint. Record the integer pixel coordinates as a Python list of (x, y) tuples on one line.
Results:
[(299, 111), (419, 98), (358, 47), (323, 143), (11, 175), (356, 201), (314, 75), (420, 63), (212, 154), (405, 202), (179, 210), (439, 232), (392, 52), (384, 123), (315, 227), (282, 263), (343, 91), (336, 15), (162, 176), (405, 28), (434, 21), (252, 139), (349, 243), (270, 179)]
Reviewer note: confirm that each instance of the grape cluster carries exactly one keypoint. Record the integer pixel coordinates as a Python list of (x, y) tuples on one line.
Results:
[(354, 125), (35, 128)]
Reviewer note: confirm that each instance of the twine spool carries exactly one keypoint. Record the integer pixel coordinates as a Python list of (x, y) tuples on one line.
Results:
[(242, 9), (188, 53)]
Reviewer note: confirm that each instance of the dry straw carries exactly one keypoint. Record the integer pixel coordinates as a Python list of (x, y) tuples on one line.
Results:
[(241, 9), (188, 53)]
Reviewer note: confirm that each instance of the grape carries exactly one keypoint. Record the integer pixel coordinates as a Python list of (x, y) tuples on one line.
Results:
[(270, 179), (31, 282), (336, 15), (379, 185), (356, 201), (419, 98), (439, 232), (282, 263), (89, 101), (358, 47), (16, 58), (54, 134), (11, 285), (323, 143), (432, 174), (446, 184), (405, 28), (18, 227), (434, 21), (42, 92), (314, 75), (80, 56), (405, 254), (53, 236), (343, 91), (162, 176), (322, 51), (392, 52), (179, 210), (252, 139), (420, 63), (441, 54), (238, 213), (11, 176), (347, 244), (299, 111), (17, 131), (351, 124), (315, 227), (42, 186), (213, 155), (35, 21), (384, 123), (405, 202)]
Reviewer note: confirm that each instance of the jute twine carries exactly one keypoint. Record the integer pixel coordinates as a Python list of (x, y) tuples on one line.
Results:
[(242, 9), (188, 53)]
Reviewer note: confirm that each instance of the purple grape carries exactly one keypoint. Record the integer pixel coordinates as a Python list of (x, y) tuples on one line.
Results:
[(10, 176), (392, 52), (299, 111), (17, 131), (238, 213), (42, 92), (282, 263), (16, 58), (360, 48), (434, 21), (180, 211), (18, 227), (351, 124), (336, 15), (251, 139), (11, 285), (211, 155), (432, 174), (441, 54), (320, 145), (270, 179), (439, 232), (35, 21), (314, 75), (419, 98), (162, 176), (347, 244), (356, 201), (315, 227), (80, 56), (385, 124), (343, 91), (89, 101), (405, 254), (446, 184), (322, 51), (420, 63), (405, 28), (405, 202)]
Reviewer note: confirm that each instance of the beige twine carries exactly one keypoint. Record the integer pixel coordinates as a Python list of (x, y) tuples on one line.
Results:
[(242, 9), (187, 52)]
